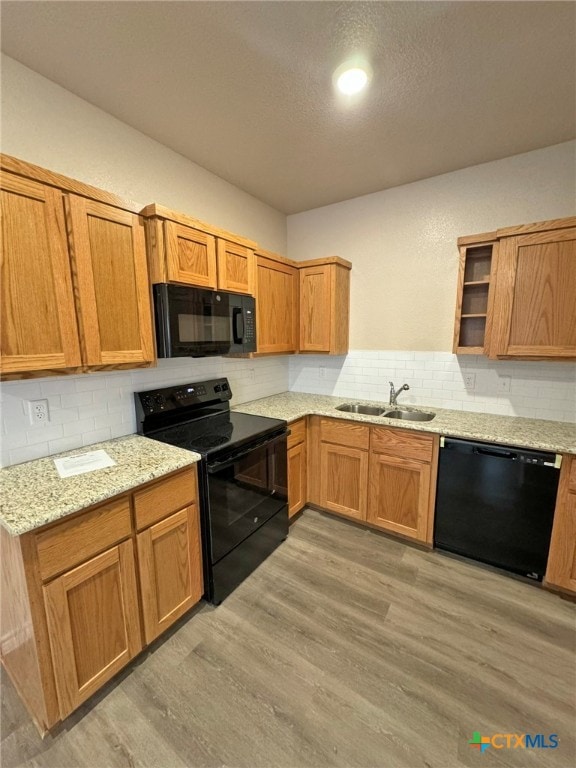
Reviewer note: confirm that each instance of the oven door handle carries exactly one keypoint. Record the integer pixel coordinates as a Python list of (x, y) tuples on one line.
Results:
[(216, 466)]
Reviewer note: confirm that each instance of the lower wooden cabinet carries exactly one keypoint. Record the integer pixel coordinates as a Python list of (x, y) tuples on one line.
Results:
[(399, 495), (297, 467), (344, 479), (169, 561), (73, 592), (561, 570), (93, 624), (383, 476)]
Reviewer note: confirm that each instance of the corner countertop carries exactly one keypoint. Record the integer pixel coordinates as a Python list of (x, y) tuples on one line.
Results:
[(554, 436), (33, 494)]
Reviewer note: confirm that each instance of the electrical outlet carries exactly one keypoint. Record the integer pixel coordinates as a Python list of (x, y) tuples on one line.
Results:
[(38, 412), (470, 381), (503, 384), (251, 375), (322, 372)]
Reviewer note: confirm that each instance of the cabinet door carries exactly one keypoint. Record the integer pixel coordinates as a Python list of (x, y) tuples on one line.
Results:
[(561, 570), (92, 614), (190, 255), (315, 305), (536, 295), (170, 565), (296, 478), (344, 480), (109, 255), (276, 307), (399, 495), (38, 318), (236, 267)]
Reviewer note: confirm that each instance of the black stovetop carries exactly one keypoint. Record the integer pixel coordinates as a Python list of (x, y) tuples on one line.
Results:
[(197, 417), (220, 432)]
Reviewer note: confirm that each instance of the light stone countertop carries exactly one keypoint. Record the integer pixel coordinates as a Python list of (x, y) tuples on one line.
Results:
[(554, 436), (33, 494)]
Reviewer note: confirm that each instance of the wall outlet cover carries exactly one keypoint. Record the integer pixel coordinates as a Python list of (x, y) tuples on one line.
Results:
[(38, 412), (504, 383), (469, 381)]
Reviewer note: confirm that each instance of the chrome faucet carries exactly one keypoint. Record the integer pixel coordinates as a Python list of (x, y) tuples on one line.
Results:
[(395, 392)]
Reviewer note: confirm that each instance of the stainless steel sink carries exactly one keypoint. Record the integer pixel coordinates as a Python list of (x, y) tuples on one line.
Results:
[(367, 410), (409, 415)]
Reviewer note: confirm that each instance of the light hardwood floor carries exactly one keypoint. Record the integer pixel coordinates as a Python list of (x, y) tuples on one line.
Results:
[(345, 648)]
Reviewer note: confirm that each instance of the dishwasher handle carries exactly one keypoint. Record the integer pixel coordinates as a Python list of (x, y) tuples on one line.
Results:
[(496, 453)]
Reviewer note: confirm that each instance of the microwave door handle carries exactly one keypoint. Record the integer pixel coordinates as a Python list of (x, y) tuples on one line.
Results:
[(237, 325)]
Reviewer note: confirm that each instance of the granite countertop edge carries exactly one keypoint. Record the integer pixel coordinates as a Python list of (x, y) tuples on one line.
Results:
[(33, 495), (537, 434)]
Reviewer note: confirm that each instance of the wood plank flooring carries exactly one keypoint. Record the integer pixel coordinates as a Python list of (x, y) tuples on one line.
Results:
[(345, 648)]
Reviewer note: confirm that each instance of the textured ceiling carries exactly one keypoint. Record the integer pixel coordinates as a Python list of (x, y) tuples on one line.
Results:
[(244, 88)]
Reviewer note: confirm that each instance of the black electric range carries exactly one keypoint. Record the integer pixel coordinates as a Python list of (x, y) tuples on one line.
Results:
[(242, 475)]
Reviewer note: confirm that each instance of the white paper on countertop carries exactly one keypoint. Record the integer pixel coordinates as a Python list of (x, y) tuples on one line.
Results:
[(83, 462)]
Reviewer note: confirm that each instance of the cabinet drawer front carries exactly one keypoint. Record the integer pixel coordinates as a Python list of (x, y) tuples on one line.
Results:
[(164, 497), (71, 542), (297, 433), (401, 442), (345, 433)]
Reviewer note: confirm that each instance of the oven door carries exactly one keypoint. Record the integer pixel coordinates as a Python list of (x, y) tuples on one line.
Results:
[(245, 490)]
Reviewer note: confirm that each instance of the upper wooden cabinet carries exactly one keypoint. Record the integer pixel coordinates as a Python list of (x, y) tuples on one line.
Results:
[(188, 251), (276, 304), (75, 289), (517, 292), (324, 305), (38, 318)]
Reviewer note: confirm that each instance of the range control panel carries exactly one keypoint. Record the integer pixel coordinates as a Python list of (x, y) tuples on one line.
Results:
[(157, 401)]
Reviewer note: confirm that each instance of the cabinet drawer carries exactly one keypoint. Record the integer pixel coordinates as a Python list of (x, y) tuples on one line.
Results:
[(164, 497), (297, 433), (72, 542), (401, 442), (345, 433)]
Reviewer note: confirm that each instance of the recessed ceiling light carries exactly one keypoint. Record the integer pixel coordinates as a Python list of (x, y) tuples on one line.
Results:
[(352, 81), (352, 77)]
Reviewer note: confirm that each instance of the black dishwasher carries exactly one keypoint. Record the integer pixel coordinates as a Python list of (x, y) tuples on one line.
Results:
[(496, 504)]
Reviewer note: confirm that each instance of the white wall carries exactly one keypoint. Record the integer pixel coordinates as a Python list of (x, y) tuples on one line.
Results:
[(402, 244), (49, 126), (402, 241)]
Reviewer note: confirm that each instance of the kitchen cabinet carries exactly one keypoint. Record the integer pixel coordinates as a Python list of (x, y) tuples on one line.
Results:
[(75, 290), (184, 250), (169, 554), (277, 292), (561, 569), (73, 593), (297, 468), (38, 317), (517, 291), (401, 493), (385, 477), (324, 305), (343, 467), (93, 623)]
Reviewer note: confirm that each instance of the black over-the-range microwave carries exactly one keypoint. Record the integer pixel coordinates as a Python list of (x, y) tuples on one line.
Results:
[(195, 322)]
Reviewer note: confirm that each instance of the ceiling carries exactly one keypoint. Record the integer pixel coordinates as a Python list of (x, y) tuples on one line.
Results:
[(244, 89)]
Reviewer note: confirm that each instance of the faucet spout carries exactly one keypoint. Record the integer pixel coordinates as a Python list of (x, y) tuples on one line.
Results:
[(395, 392)]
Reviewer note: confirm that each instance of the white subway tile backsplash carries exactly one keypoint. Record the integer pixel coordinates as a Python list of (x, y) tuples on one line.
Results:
[(92, 407), (537, 390)]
